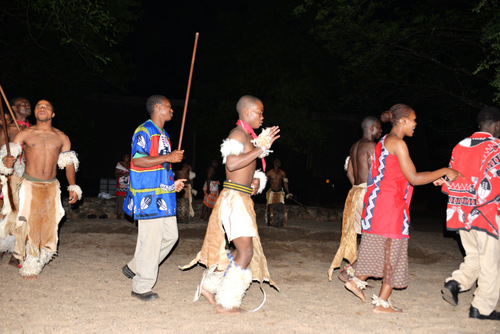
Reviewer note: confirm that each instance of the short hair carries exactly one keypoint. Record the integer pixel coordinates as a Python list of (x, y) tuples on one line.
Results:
[(369, 121), (488, 115), (396, 112), (246, 102), (152, 101), (15, 99)]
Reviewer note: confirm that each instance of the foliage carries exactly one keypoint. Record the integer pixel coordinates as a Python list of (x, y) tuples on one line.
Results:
[(490, 9)]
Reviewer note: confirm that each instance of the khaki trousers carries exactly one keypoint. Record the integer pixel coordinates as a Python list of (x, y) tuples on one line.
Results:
[(155, 240), (481, 263)]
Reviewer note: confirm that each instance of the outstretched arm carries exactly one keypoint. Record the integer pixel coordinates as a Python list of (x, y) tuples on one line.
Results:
[(410, 172)]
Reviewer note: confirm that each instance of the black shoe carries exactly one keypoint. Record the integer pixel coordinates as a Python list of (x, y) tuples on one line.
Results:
[(127, 271), (474, 313), (450, 292), (146, 296)]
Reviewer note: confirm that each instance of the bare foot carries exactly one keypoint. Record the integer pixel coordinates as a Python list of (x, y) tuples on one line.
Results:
[(351, 286), (381, 309), (13, 261), (343, 276), (208, 296), (220, 309), (31, 277)]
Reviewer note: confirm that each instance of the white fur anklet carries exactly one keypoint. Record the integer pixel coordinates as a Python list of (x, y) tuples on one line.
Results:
[(359, 283), (8, 244), (377, 301), (233, 287), (77, 190), (31, 266)]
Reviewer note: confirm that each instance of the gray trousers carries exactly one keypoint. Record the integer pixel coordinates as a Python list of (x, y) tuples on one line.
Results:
[(155, 240)]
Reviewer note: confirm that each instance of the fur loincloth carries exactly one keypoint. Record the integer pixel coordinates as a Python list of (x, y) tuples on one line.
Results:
[(213, 251), (41, 208), (351, 227)]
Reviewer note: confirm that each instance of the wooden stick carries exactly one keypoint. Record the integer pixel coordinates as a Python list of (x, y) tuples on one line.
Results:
[(188, 89), (5, 132), (8, 106)]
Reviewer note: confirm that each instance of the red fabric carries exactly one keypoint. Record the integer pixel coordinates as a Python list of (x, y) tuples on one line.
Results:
[(249, 129), (386, 210), (473, 201)]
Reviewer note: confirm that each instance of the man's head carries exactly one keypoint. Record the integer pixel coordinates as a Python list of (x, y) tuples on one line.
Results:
[(159, 105), (251, 110), (44, 111), (21, 107), (8, 119), (371, 127), (277, 163), (488, 120)]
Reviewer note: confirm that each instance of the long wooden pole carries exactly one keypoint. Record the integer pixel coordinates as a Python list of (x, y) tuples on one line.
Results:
[(188, 89), (5, 132), (8, 106)]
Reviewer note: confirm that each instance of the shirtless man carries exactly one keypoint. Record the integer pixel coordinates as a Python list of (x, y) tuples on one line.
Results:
[(357, 168), (276, 214), (230, 274), (45, 148)]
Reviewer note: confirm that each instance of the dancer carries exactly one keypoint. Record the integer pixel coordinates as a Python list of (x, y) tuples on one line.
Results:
[(357, 167), (40, 207), (383, 251), (473, 211), (122, 172), (210, 190), (151, 197), (229, 274), (276, 214)]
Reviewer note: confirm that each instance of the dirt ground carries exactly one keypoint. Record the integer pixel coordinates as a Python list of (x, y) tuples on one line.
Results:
[(84, 291)]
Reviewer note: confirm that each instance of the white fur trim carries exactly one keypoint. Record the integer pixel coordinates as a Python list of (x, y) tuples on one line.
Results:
[(76, 188), (8, 244), (31, 266), (377, 301), (46, 256), (346, 163), (212, 281), (15, 151), (67, 158), (263, 180), (192, 175), (233, 287), (285, 180), (264, 142), (230, 147)]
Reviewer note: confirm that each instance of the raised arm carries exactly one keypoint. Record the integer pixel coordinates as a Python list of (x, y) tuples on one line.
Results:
[(235, 162)]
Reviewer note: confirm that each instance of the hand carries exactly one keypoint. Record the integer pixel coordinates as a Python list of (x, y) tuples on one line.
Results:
[(288, 196), (8, 161), (273, 133), (452, 174), (73, 197), (179, 184), (175, 156), (255, 185), (439, 182)]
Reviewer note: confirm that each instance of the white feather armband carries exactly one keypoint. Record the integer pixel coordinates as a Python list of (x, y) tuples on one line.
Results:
[(77, 190), (346, 163), (230, 147), (264, 142), (67, 158), (263, 180), (15, 151)]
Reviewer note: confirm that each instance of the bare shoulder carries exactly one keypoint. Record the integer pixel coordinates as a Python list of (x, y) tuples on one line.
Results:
[(367, 145), (238, 134)]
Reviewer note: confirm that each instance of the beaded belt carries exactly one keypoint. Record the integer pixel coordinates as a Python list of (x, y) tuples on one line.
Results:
[(238, 187)]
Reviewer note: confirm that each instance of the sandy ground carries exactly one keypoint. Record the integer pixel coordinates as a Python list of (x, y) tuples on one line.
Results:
[(84, 291)]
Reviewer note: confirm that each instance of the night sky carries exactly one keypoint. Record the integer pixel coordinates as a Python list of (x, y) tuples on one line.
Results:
[(309, 88)]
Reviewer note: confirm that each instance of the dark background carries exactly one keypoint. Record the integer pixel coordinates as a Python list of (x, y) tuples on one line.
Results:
[(318, 68)]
